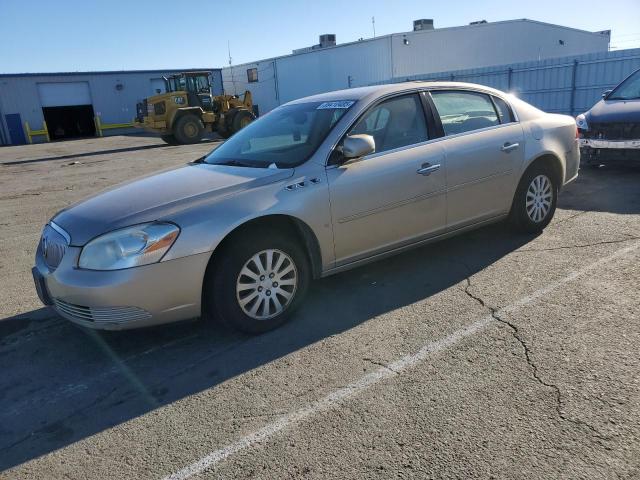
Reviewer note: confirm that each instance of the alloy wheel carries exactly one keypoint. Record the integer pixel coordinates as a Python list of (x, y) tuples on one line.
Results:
[(266, 284), (539, 198)]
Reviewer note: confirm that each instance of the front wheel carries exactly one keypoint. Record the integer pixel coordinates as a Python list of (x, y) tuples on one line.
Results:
[(535, 200), (188, 129), (256, 284)]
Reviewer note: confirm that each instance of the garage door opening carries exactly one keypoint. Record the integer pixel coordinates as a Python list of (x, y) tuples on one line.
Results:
[(73, 121)]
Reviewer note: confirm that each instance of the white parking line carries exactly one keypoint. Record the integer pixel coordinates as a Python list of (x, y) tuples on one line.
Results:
[(363, 383)]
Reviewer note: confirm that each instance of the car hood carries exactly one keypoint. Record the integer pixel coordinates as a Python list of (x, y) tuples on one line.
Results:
[(618, 111), (159, 196)]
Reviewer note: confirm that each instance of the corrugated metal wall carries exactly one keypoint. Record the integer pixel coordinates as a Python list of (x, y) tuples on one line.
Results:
[(286, 78), (283, 79), (486, 44), (19, 94), (568, 85)]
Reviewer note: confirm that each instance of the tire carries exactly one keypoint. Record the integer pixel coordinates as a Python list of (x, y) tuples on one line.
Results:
[(169, 139), (224, 133), (230, 295), (539, 185), (241, 119), (188, 129)]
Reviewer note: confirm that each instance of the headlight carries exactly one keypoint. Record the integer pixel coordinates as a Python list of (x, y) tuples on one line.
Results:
[(581, 121), (129, 247)]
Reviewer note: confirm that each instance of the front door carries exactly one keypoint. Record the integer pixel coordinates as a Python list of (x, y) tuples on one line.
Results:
[(395, 195)]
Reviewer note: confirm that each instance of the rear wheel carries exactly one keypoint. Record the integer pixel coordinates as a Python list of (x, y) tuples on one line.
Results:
[(535, 200), (169, 139), (188, 129), (257, 282)]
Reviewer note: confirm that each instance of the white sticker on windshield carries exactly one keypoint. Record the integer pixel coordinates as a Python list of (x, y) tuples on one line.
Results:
[(338, 104)]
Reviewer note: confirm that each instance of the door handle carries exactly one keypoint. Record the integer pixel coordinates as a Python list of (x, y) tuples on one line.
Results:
[(507, 147), (427, 169)]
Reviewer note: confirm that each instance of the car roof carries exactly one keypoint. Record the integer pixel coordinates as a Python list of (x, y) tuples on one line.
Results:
[(374, 91)]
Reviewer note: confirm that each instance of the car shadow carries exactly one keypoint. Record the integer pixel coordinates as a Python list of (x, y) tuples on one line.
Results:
[(610, 188), (61, 383)]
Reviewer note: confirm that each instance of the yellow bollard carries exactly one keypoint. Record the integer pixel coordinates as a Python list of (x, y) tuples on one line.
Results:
[(96, 120), (46, 130), (27, 130)]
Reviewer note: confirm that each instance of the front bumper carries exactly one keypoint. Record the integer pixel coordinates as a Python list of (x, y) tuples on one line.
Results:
[(122, 299), (610, 144)]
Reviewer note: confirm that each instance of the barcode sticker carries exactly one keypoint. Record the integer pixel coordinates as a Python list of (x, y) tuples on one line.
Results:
[(338, 104)]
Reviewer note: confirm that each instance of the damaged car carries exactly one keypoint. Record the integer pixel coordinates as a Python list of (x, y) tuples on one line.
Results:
[(610, 131)]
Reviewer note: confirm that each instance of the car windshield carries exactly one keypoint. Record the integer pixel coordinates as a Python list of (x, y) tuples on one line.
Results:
[(284, 138), (627, 90)]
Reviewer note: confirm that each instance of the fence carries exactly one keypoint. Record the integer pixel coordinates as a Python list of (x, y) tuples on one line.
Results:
[(568, 85)]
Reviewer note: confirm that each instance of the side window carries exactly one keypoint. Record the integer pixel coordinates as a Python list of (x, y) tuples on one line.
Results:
[(252, 75), (464, 111), (394, 123), (504, 112)]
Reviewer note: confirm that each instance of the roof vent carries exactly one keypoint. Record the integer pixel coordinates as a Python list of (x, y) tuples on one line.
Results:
[(328, 40), (423, 24)]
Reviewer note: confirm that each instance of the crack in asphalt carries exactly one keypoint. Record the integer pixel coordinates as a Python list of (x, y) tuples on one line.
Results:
[(584, 245), (515, 332), (570, 217)]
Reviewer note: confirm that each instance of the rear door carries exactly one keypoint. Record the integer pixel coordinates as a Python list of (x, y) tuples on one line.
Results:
[(484, 147), (383, 200)]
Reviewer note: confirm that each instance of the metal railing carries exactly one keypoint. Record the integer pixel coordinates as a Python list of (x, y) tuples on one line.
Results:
[(44, 131), (100, 127)]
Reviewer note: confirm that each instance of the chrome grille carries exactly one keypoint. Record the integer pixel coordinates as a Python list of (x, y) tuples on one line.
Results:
[(100, 314), (53, 246)]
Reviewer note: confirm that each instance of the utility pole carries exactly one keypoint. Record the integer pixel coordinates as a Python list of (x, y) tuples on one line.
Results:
[(373, 23), (233, 82)]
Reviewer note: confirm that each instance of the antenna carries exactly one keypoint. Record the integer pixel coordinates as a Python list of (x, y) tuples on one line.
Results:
[(373, 23)]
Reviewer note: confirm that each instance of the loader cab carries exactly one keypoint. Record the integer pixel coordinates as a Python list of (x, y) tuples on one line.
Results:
[(195, 84)]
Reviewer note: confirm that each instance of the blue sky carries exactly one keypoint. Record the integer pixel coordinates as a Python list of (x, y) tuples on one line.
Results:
[(75, 35)]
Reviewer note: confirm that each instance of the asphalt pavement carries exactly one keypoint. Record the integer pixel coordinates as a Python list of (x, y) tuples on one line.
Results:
[(489, 355)]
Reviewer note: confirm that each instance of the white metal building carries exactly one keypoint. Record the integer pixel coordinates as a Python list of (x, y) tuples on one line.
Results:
[(70, 102), (326, 66)]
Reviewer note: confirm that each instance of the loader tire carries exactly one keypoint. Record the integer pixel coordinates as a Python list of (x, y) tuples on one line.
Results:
[(189, 129), (169, 139), (241, 119)]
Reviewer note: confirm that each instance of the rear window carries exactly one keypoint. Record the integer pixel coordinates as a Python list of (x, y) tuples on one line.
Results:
[(504, 112)]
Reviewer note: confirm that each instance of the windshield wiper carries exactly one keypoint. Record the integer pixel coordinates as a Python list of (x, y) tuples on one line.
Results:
[(237, 163)]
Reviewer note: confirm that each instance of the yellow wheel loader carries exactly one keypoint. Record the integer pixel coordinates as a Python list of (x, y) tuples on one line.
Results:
[(187, 109)]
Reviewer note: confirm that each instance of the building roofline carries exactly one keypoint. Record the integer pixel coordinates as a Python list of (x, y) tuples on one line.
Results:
[(411, 32), (106, 72)]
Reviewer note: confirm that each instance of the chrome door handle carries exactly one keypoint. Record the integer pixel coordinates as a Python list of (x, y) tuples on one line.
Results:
[(507, 147), (427, 169)]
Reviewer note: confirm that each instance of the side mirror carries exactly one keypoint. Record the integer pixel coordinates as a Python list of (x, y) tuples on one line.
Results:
[(606, 93), (355, 146)]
